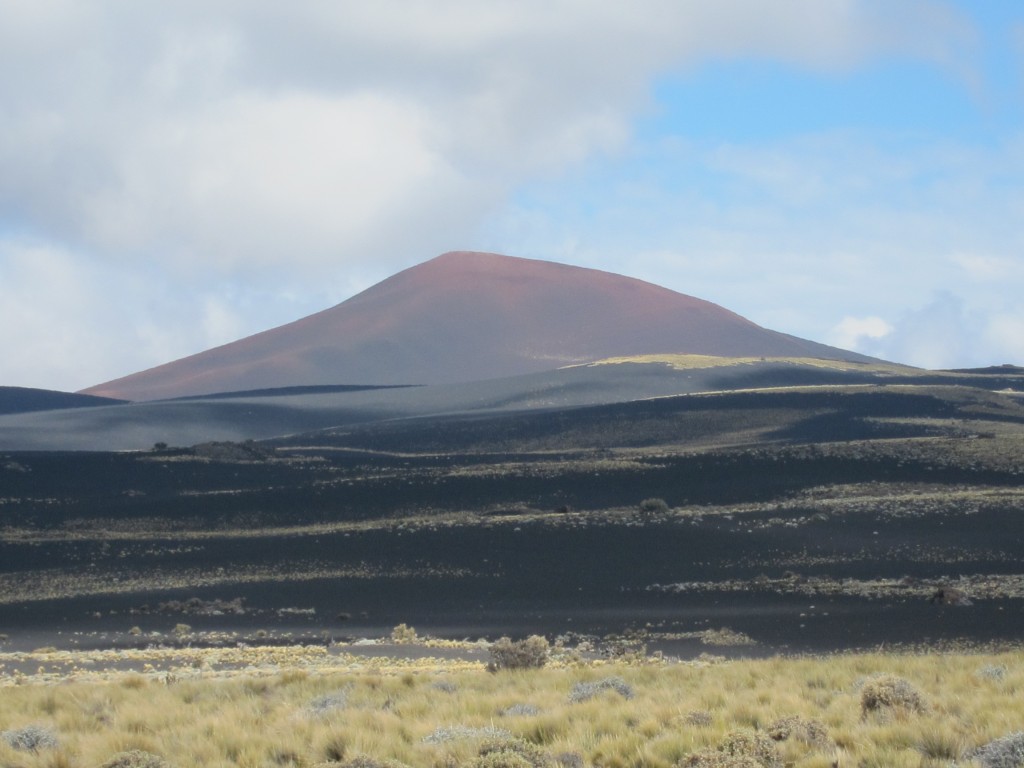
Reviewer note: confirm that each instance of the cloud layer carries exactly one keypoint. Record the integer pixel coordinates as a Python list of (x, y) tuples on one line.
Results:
[(237, 164)]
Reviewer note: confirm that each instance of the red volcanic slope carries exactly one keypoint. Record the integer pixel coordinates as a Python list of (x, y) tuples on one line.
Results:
[(467, 316)]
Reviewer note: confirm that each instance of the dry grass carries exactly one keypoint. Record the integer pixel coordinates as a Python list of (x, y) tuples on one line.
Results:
[(393, 709), (695, 362)]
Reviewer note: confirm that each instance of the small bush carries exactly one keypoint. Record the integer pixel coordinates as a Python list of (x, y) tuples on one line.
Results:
[(940, 744), (500, 760), (811, 732), (748, 743), (650, 507), (583, 691), (709, 758), (364, 761), (531, 653), (404, 634), (725, 636), (463, 733), (531, 754), (1007, 752), (31, 738), (136, 758), (991, 672), (888, 692), (329, 702), (520, 710), (700, 718)]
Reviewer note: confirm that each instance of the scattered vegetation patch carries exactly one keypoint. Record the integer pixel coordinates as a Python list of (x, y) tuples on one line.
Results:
[(725, 636), (682, 713), (195, 606)]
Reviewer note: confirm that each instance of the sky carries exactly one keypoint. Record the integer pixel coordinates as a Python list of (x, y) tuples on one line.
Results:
[(178, 175)]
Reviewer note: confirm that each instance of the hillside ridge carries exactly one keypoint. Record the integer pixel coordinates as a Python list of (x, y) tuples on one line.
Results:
[(469, 316)]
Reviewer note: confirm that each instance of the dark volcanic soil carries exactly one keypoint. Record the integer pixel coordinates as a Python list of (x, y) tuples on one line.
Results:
[(826, 520)]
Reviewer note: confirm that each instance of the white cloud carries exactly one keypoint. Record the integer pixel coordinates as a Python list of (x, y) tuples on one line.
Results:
[(1005, 333), (798, 234), (310, 147), (237, 132), (68, 321), (984, 267), (851, 331), (948, 333)]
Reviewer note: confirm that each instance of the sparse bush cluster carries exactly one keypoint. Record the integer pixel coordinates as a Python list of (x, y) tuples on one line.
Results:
[(531, 653), (394, 714)]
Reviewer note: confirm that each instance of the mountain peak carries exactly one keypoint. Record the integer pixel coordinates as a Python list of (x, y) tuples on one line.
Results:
[(463, 316)]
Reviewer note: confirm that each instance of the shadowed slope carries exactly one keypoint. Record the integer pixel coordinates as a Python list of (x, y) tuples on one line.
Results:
[(28, 399), (464, 317)]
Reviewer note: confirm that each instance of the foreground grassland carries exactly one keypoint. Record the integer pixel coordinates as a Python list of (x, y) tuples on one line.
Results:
[(303, 708)]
